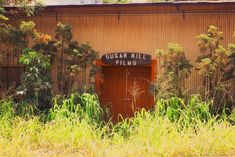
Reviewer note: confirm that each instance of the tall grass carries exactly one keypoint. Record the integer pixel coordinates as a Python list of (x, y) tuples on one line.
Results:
[(76, 107), (172, 129)]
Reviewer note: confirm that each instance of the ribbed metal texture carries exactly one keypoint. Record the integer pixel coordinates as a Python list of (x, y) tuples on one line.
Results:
[(143, 33)]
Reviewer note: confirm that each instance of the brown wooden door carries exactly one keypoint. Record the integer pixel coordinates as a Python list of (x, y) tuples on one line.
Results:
[(126, 89)]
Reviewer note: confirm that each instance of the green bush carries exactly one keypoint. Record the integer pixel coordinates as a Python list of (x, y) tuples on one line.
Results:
[(176, 109), (36, 84), (176, 69), (6, 109), (76, 107), (215, 65)]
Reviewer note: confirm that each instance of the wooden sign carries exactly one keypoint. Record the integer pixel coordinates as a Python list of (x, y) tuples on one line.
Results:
[(126, 59)]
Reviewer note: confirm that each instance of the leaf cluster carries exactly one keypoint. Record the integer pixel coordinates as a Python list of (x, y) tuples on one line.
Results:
[(63, 32), (176, 68), (77, 107), (28, 7), (177, 110), (78, 57), (12, 35), (36, 79), (215, 65)]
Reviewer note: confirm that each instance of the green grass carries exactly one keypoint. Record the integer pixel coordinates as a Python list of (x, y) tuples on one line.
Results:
[(146, 134)]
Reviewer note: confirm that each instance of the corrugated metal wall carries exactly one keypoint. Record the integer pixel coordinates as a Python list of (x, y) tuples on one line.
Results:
[(142, 33)]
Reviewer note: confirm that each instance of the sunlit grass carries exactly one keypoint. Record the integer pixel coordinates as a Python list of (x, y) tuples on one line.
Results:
[(147, 134), (151, 137)]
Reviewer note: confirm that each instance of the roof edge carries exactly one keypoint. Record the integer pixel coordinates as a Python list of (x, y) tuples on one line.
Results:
[(144, 4)]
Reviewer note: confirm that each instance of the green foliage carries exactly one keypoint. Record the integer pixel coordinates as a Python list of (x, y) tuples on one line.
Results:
[(7, 32), (76, 107), (17, 38), (2, 17), (2, 11), (64, 108), (12, 35), (170, 108), (214, 65), (232, 117), (74, 59), (146, 134), (28, 7), (174, 61), (230, 73), (26, 109), (36, 80), (176, 110), (31, 58), (91, 105), (27, 27), (176, 68), (6, 109), (84, 57), (35, 86), (63, 32), (64, 37)]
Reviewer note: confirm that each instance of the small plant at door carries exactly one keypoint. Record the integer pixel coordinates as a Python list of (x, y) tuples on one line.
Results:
[(135, 92)]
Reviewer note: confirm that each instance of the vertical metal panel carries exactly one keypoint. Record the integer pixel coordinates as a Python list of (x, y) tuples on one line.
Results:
[(143, 33)]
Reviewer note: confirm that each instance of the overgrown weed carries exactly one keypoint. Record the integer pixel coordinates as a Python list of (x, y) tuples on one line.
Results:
[(191, 132)]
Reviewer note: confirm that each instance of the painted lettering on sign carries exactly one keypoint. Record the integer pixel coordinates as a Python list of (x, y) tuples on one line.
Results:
[(126, 59)]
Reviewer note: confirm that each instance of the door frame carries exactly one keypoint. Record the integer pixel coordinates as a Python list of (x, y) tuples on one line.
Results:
[(100, 64)]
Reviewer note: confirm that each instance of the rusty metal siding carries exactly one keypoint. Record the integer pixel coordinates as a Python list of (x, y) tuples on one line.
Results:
[(142, 33)]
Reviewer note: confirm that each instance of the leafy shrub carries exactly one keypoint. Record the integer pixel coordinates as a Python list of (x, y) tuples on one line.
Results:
[(232, 117), (28, 28), (35, 88), (13, 36), (170, 108), (214, 65), (71, 58), (28, 7), (66, 108), (6, 109), (175, 109), (176, 68), (91, 105), (74, 59), (26, 109), (76, 107), (36, 78)]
